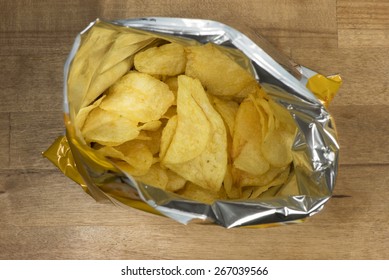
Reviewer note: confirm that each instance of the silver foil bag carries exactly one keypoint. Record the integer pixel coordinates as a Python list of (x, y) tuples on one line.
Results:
[(315, 148)]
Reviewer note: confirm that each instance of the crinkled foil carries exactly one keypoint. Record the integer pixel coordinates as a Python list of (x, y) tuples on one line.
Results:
[(315, 148)]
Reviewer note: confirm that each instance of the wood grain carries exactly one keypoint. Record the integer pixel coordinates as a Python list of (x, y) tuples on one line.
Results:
[(45, 215)]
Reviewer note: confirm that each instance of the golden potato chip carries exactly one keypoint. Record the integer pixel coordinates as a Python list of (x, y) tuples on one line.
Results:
[(231, 189), (124, 45), (135, 153), (151, 125), (153, 140), (155, 177), (104, 80), (247, 141), (251, 159), (283, 116), (197, 193), (99, 122), (218, 73), (254, 191), (206, 165), (277, 147), (172, 82), (193, 128), (176, 182), (127, 168), (138, 97), (247, 124), (167, 135), (227, 110), (83, 114), (85, 64), (168, 59)]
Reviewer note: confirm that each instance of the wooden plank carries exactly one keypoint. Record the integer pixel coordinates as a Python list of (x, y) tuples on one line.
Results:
[(54, 15), (31, 134), (31, 83), (364, 72), (283, 23), (37, 43), (48, 216), (4, 140), (363, 23), (363, 134)]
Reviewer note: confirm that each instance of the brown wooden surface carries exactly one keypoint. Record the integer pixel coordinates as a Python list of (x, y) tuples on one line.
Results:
[(44, 215)]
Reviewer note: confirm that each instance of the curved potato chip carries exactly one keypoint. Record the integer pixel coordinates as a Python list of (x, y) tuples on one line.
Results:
[(197, 193), (251, 159), (277, 148), (207, 169), (230, 187), (217, 72), (85, 63), (155, 177), (167, 135), (134, 152), (153, 140), (168, 59), (104, 80), (172, 82), (227, 110), (83, 114), (256, 191), (283, 116), (139, 97), (125, 45), (151, 126), (176, 182), (100, 121), (193, 128)]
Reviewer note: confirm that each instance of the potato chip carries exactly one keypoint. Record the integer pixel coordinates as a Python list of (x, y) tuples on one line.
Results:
[(172, 82), (206, 165), (197, 193), (83, 114), (168, 59), (124, 45), (85, 63), (263, 185), (227, 110), (135, 153), (247, 141), (277, 147), (218, 73), (251, 159), (151, 125), (100, 121), (176, 182), (138, 97), (153, 140), (231, 189), (193, 128), (167, 135), (283, 116), (155, 177)]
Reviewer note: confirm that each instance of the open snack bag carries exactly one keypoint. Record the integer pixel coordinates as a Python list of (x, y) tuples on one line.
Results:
[(192, 120)]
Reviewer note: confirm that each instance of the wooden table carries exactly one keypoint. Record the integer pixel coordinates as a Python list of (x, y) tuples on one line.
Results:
[(45, 215)]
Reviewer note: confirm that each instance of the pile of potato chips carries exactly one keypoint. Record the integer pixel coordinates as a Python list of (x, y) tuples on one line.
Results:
[(184, 118)]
